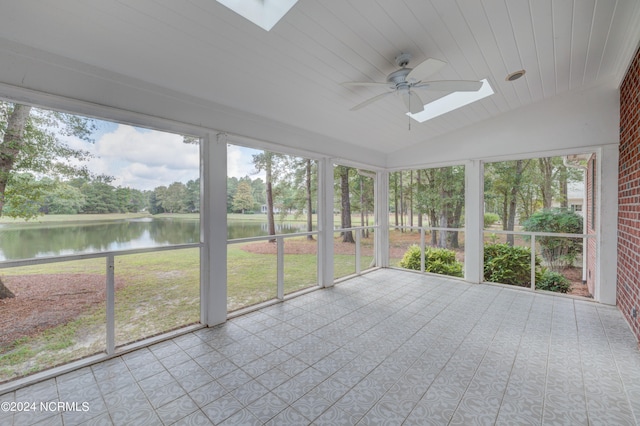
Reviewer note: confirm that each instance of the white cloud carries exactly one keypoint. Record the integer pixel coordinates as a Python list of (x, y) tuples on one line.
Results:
[(140, 158), (145, 159), (149, 147), (240, 162)]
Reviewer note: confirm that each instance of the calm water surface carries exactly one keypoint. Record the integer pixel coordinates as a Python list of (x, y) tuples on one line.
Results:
[(50, 239)]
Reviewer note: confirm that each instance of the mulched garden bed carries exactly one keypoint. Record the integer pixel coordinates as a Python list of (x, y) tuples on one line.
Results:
[(45, 301)]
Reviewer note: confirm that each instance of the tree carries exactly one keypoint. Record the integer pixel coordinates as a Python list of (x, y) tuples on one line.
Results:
[(345, 203), (64, 199), (506, 180), (100, 196), (441, 196), (25, 195), (173, 199), (266, 162), (513, 193), (364, 189), (546, 188), (299, 177), (243, 199), (395, 196), (232, 186), (30, 143), (130, 200), (308, 197), (193, 196), (155, 200), (558, 252), (259, 191)]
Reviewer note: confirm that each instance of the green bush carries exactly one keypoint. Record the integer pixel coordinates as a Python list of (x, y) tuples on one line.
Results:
[(507, 264), (490, 219), (436, 260), (553, 281), (558, 253)]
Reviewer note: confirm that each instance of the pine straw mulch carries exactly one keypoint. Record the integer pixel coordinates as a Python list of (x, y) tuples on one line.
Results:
[(311, 247), (577, 288), (42, 302)]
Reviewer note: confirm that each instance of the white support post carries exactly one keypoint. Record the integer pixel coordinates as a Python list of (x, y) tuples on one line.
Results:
[(474, 222), (381, 236), (280, 267), (358, 234), (533, 262), (213, 229), (111, 305), (325, 223), (422, 265), (607, 224)]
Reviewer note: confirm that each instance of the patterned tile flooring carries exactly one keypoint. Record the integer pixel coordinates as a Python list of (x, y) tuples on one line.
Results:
[(386, 348)]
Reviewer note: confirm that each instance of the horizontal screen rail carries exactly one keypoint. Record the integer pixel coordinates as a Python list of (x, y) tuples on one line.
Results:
[(57, 259), (540, 234), (270, 237)]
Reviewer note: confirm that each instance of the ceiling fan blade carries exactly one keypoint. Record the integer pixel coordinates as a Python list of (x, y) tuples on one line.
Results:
[(366, 83), (412, 101), (426, 69), (450, 86), (370, 101)]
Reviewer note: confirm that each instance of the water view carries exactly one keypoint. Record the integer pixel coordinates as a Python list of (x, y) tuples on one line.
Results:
[(67, 238)]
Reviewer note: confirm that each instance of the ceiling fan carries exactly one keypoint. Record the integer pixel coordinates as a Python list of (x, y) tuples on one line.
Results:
[(406, 81)]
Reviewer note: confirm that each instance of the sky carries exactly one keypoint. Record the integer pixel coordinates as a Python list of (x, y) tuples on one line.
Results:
[(145, 159)]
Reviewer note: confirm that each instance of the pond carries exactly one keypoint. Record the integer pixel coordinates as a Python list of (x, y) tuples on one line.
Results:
[(68, 238)]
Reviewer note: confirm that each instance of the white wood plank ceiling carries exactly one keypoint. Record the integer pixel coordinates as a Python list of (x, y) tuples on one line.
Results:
[(292, 74)]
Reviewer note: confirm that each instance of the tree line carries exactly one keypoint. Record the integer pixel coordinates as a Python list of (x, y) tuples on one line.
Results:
[(513, 191), (97, 195)]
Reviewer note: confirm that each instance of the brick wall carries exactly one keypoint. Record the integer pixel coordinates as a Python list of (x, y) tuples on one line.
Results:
[(628, 283)]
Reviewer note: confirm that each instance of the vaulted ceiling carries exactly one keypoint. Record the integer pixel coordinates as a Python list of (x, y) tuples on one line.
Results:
[(292, 74)]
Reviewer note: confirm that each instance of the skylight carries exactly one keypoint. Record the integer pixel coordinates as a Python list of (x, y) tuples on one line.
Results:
[(263, 13), (452, 102)]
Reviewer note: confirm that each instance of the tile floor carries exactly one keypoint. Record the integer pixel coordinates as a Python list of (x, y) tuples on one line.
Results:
[(386, 348)]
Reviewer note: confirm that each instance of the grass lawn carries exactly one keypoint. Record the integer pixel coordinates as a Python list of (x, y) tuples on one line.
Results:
[(61, 218)]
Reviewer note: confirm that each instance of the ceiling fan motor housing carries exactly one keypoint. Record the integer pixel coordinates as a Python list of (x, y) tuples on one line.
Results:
[(399, 77)]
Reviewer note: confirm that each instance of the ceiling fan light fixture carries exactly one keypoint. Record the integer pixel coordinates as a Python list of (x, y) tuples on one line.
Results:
[(515, 75)]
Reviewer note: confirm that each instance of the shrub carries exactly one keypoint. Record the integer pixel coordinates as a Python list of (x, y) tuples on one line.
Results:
[(436, 260), (558, 253), (490, 219), (507, 264), (553, 281)]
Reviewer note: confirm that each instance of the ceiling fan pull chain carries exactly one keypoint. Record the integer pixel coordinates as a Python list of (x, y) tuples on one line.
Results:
[(409, 110)]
